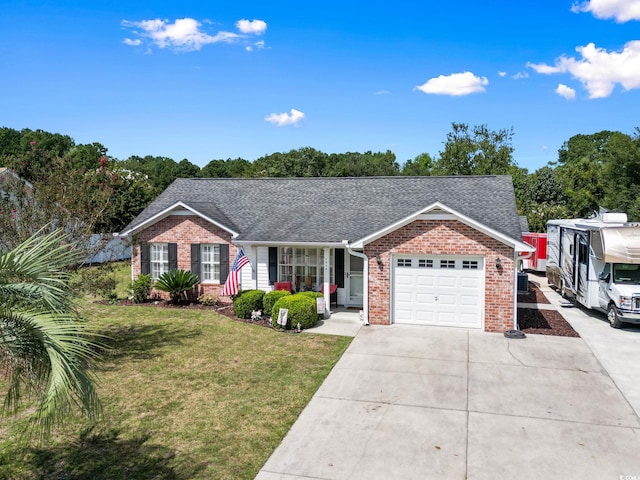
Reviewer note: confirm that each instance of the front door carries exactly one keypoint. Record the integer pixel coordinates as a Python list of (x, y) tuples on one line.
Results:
[(355, 280)]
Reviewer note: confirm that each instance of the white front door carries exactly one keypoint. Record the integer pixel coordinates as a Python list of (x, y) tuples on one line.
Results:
[(446, 291), (355, 280)]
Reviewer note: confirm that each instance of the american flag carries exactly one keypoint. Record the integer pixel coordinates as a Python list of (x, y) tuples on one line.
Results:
[(231, 285)]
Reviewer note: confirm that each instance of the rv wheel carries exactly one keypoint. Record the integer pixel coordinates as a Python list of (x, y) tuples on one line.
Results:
[(612, 316)]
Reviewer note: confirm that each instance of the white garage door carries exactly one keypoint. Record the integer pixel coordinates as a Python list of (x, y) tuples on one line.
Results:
[(446, 291)]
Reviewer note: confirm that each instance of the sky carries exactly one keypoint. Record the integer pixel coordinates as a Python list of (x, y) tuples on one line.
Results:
[(206, 80)]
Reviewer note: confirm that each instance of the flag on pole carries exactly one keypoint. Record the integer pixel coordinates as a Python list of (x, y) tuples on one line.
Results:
[(231, 285)]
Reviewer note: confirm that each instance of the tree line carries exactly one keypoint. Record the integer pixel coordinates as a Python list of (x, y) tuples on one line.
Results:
[(104, 194)]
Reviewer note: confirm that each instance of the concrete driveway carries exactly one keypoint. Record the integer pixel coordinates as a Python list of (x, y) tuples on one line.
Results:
[(426, 402), (618, 350)]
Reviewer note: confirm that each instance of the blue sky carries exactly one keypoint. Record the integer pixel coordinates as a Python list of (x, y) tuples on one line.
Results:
[(214, 80)]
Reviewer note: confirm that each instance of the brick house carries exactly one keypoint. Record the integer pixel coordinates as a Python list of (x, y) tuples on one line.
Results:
[(418, 250)]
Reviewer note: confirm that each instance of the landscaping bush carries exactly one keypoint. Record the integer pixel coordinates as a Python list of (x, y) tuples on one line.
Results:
[(208, 299), (97, 281), (311, 294), (271, 298), (302, 309), (141, 288), (176, 283), (246, 302)]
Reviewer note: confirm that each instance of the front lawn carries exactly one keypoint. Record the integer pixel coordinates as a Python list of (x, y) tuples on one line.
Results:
[(186, 394)]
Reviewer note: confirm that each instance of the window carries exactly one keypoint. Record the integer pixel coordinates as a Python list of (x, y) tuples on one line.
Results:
[(210, 262), (303, 267), (470, 264), (425, 263), (404, 262), (447, 264), (159, 259)]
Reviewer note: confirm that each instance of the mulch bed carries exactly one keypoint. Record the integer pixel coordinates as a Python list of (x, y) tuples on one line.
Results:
[(541, 322), (544, 322), (534, 295)]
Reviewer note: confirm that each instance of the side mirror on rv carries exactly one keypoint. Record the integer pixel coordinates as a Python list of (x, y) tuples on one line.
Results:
[(604, 277)]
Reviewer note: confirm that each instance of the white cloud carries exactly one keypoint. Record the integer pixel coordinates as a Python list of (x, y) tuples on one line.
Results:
[(133, 43), (259, 45), (184, 34), (382, 92), (502, 74), (621, 10), (566, 92), (456, 84), (521, 75), (255, 27), (282, 119), (598, 70)]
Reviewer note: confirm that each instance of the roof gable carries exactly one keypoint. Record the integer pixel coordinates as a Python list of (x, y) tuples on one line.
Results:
[(330, 210)]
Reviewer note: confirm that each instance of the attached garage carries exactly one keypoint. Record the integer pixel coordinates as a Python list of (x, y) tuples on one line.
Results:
[(438, 290)]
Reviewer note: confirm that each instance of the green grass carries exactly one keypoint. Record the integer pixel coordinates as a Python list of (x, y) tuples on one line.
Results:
[(185, 393)]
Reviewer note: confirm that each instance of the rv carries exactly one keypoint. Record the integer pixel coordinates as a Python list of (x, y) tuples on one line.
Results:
[(596, 262)]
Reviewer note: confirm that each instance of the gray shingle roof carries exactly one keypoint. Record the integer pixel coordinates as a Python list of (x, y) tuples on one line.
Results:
[(324, 210)]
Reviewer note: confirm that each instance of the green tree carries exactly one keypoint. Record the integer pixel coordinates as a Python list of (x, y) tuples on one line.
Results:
[(303, 162), (580, 168), (621, 172), (476, 151), (45, 350), (68, 197), (236, 168), (422, 165), (367, 164)]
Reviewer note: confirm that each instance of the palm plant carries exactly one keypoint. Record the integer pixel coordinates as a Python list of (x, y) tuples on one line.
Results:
[(176, 283), (45, 348)]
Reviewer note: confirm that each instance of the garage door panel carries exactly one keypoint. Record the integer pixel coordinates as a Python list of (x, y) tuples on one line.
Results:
[(469, 282), (470, 300), (425, 299), (447, 281), (441, 295)]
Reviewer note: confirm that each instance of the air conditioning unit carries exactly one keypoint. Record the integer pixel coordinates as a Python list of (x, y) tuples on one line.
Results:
[(523, 282)]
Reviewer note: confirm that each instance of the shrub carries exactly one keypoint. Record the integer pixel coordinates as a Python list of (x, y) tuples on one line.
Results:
[(141, 288), (208, 299), (96, 280), (302, 309), (311, 294), (271, 298), (246, 302), (176, 283)]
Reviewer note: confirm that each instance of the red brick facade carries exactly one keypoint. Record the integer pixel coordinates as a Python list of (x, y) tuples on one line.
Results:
[(444, 237), (183, 230), (427, 237)]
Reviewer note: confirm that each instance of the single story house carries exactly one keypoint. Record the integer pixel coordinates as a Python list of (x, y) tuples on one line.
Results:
[(417, 250)]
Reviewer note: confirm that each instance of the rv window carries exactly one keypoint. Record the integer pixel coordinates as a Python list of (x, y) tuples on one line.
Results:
[(626, 273), (582, 252)]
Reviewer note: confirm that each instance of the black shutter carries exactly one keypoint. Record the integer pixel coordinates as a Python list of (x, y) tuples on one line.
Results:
[(145, 259), (224, 262), (273, 265), (173, 256), (339, 259), (195, 260)]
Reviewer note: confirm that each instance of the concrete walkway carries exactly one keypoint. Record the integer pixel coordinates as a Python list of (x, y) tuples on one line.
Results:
[(411, 402)]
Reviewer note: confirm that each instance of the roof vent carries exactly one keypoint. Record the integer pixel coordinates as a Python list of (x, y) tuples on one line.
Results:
[(611, 217)]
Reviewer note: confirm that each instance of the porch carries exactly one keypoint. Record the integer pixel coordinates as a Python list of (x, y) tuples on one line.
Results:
[(342, 321)]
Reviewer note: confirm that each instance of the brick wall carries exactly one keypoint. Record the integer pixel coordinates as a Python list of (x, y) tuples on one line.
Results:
[(183, 230), (443, 237)]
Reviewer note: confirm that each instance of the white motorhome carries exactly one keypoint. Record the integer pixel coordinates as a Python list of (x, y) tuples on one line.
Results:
[(596, 262)]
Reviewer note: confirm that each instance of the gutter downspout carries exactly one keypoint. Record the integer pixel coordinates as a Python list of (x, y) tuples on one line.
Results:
[(365, 280), (517, 257)]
